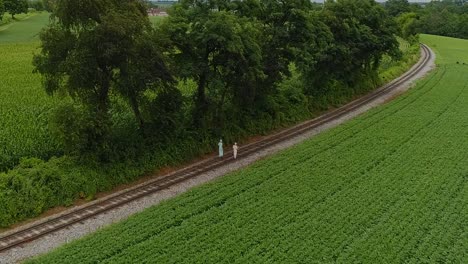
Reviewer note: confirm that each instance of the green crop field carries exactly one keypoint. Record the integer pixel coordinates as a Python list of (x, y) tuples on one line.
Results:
[(24, 106), (388, 187)]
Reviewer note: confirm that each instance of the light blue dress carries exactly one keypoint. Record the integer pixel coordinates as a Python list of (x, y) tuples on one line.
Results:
[(220, 145)]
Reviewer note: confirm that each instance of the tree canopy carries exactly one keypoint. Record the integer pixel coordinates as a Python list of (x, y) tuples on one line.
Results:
[(16, 7), (36, 4), (445, 18), (362, 33), (238, 54), (217, 49), (397, 7), (93, 48), (49, 5)]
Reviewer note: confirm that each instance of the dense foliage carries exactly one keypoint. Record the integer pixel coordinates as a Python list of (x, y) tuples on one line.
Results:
[(445, 18), (2, 9), (158, 97), (388, 187), (361, 34), (90, 52), (16, 7), (37, 5), (42, 5), (237, 53)]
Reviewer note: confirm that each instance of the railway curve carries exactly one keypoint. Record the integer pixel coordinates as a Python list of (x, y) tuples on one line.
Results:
[(32, 232)]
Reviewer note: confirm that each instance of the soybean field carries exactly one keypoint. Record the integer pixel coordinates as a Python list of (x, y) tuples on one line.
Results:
[(390, 186)]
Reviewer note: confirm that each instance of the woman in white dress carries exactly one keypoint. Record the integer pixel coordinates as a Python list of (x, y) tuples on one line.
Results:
[(234, 150)]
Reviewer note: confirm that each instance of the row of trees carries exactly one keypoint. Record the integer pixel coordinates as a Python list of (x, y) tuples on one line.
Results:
[(42, 5), (445, 18), (14, 7), (238, 54)]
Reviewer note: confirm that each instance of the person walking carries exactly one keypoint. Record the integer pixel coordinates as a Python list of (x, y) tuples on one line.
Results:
[(220, 145), (234, 150)]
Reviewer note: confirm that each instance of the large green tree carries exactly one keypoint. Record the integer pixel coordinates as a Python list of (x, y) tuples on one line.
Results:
[(408, 23), (49, 5), (16, 7), (95, 48), (444, 18), (362, 33), (36, 4), (287, 32), (217, 49), (397, 7)]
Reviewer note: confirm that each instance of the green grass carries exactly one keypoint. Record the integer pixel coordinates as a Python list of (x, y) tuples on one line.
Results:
[(156, 19), (388, 187), (8, 19), (391, 69), (24, 29), (448, 50)]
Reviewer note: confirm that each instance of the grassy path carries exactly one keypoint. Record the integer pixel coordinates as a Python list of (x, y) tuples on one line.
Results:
[(388, 187), (24, 30)]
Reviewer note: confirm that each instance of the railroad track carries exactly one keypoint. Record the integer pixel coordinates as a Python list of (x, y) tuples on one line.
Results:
[(62, 221)]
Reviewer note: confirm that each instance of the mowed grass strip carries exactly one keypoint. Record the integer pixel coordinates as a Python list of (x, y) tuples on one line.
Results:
[(24, 30), (388, 187)]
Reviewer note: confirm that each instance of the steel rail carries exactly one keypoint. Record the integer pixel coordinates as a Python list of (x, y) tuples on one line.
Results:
[(62, 221)]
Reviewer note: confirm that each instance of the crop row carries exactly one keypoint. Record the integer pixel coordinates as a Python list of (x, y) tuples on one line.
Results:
[(24, 108)]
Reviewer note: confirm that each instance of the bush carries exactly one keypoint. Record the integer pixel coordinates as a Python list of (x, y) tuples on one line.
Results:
[(32, 187), (36, 5)]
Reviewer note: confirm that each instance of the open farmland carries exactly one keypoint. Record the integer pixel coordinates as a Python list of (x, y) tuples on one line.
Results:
[(388, 187), (24, 106)]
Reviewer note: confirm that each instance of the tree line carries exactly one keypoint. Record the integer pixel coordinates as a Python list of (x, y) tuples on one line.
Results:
[(215, 68), (14, 7), (445, 18)]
